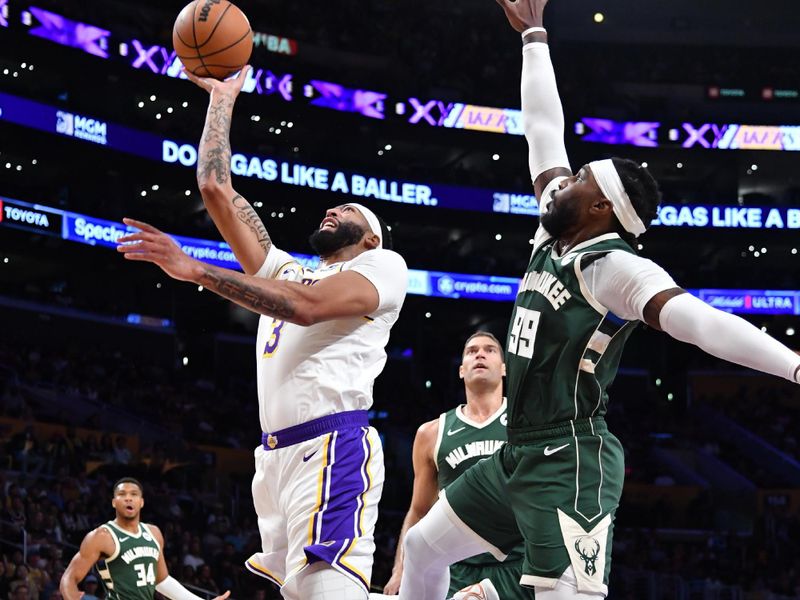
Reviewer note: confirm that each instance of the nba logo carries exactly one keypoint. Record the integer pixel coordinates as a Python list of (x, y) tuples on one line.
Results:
[(502, 203), (64, 123)]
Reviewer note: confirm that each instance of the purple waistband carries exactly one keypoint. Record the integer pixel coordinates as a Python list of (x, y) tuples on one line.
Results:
[(311, 429)]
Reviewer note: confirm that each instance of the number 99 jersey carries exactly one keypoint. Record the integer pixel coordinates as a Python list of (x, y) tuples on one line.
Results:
[(563, 346)]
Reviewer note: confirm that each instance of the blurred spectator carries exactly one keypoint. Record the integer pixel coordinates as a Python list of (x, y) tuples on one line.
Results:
[(90, 587)]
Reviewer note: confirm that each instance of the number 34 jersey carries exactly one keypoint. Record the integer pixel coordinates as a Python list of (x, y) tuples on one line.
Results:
[(563, 346), (130, 573), (309, 372)]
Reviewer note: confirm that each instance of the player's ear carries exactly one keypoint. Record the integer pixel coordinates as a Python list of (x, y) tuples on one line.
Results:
[(603, 204), (503, 370), (371, 240), (461, 371)]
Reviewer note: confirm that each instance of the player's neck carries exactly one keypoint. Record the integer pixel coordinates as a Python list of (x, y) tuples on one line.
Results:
[(568, 240), (341, 255), (482, 404), (131, 525)]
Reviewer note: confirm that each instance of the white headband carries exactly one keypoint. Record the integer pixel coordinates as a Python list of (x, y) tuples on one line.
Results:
[(372, 221), (605, 173)]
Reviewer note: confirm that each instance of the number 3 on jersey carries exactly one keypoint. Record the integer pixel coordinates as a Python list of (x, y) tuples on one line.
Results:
[(274, 339), (146, 575), (523, 332)]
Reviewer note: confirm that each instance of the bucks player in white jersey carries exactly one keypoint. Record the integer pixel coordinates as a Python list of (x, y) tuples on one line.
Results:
[(446, 447), (320, 346), (556, 484), (128, 554)]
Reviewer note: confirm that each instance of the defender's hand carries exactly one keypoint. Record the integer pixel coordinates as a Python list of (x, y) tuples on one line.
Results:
[(523, 14)]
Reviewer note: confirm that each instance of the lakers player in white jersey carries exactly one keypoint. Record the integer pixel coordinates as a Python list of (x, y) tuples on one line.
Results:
[(320, 346)]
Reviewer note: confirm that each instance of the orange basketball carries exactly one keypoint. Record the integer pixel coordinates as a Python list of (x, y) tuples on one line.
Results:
[(212, 38)]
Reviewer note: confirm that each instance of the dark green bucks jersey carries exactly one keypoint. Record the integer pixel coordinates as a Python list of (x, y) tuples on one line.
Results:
[(130, 573), (463, 442), (460, 444), (563, 347)]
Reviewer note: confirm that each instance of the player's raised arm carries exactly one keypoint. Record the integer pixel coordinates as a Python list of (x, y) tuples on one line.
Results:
[(95, 545), (233, 215), (165, 584), (423, 497), (542, 115)]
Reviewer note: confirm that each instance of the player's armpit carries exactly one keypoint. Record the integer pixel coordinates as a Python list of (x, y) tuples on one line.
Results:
[(544, 178), (652, 310), (162, 572), (95, 545)]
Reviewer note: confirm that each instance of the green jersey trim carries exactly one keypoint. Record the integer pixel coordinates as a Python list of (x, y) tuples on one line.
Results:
[(125, 532), (496, 415), (439, 434), (116, 541), (146, 528)]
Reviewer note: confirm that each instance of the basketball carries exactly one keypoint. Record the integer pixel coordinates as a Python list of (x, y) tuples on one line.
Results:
[(212, 38)]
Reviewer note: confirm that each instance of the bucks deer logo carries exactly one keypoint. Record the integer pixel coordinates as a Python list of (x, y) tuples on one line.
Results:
[(588, 549)]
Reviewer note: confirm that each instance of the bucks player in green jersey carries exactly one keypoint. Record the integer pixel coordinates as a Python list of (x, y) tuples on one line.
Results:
[(445, 447), (556, 484), (129, 554)]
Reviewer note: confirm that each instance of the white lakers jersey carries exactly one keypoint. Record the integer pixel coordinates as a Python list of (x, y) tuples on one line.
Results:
[(309, 372)]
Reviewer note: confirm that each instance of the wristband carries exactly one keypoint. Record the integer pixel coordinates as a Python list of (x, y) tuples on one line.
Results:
[(533, 30)]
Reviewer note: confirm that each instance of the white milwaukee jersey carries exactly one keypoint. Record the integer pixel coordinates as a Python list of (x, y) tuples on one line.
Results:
[(309, 372)]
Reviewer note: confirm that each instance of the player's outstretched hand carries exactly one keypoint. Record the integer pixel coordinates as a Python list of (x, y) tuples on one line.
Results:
[(151, 245), (523, 14), (231, 86), (223, 596), (392, 587)]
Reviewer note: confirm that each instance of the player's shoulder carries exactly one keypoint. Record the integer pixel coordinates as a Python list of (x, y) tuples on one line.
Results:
[(428, 431), (101, 537), (154, 529), (627, 261), (382, 257)]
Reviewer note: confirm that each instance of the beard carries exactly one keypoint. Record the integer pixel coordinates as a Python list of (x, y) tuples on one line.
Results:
[(558, 220), (326, 242)]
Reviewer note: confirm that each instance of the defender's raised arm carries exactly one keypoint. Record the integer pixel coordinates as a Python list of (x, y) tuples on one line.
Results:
[(542, 115)]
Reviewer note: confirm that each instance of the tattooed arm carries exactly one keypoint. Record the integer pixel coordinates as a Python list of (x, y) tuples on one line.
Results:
[(233, 215), (346, 294)]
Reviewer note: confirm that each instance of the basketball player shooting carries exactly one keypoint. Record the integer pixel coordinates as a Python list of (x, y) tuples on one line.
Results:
[(320, 346), (557, 483)]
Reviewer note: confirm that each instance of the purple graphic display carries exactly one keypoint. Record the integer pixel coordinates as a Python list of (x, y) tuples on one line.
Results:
[(163, 61), (66, 32), (335, 96), (3, 13), (712, 136), (435, 113), (605, 131)]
